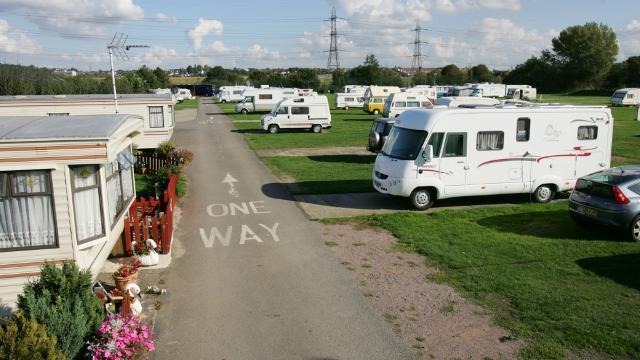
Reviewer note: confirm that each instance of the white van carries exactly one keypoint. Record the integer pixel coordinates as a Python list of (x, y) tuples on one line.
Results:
[(263, 99), (444, 153), (466, 101), (347, 100), (231, 93), (628, 96), (304, 112), (397, 103)]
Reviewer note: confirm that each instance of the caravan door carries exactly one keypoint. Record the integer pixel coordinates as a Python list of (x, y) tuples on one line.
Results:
[(453, 164)]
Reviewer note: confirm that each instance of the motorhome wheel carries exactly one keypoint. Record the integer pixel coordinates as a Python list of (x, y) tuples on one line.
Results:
[(316, 128), (544, 193), (244, 111), (421, 199), (273, 128)]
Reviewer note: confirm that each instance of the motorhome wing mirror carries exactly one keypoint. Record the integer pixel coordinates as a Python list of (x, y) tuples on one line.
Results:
[(427, 153)]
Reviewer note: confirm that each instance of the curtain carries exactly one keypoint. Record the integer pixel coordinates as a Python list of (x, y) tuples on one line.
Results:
[(156, 118), (490, 140), (86, 202), (587, 132), (27, 220)]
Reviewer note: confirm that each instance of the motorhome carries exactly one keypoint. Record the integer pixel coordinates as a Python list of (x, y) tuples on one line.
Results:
[(429, 91), (303, 112), (355, 89), (465, 101), (263, 99), (375, 96), (397, 103), (443, 153), (521, 92), (629, 96), (347, 100), (232, 93), (489, 90), (157, 110)]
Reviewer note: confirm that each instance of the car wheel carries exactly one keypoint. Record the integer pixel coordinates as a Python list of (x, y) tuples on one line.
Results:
[(544, 193), (634, 229), (376, 112), (244, 111), (273, 128), (316, 128), (421, 199)]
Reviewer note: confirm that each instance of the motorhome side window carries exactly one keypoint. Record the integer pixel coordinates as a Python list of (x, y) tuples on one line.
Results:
[(413, 104), (587, 132), (401, 104), (436, 142), (522, 129), (490, 140), (237, 92), (456, 145), (298, 100), (299, 110), (265, 96)]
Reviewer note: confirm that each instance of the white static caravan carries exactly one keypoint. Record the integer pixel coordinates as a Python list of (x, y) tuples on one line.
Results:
[(397, 103), (466, 101), (521, 92), (263, 99), (629, 96), (443, 153), (157, 110), (349, 100), (66, 184), (489, 90), (306, 112), (232, 93)]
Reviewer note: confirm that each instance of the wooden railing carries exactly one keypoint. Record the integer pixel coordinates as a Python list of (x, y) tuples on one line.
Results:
[(152, 219), (154, 162)]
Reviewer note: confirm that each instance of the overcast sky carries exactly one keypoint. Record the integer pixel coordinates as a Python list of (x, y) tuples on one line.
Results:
[(284, 33)]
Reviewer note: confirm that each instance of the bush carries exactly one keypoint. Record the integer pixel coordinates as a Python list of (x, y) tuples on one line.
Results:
[(63, 301), (21, 338), (166, 148), (181, 187)]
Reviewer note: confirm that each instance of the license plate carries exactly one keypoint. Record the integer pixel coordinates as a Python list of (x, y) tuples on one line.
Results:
[(587, 211)]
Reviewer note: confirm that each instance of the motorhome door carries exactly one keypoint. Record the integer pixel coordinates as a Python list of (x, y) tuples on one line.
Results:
[(453, 163)]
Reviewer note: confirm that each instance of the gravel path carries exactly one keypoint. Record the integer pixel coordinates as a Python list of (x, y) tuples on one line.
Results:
[(433, 319)]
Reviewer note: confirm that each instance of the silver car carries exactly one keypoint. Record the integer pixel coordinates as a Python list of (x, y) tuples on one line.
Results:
[(609, 197)]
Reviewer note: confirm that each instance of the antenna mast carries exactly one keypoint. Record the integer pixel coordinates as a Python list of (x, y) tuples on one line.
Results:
[(119, 48)]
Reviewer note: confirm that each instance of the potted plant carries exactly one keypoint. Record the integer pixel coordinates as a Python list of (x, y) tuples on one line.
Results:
[(145, 251), (127, 273)]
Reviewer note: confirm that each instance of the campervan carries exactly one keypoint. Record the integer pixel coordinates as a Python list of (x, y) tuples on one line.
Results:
[(375, 96), (347, 100), (429, 91), (521, 92), (629, 96), (489, 90), (263, 99), (232, 93), (397, 103), (303, 112), (443, 153), (466, 101)]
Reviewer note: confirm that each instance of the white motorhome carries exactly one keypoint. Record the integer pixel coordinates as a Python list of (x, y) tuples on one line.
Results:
[(429, 91), (628, 96), (347, 100), (521, 92), (263, 99), (489, 90), (465, 101), (304, 112), (444, 153), (232, 93), (397, 103)]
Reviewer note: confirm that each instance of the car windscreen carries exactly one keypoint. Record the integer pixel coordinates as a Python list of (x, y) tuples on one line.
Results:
[(404, 144)]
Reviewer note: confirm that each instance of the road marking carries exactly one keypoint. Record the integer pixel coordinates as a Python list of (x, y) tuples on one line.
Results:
[(230, 180), (246, 234), (243, 208)]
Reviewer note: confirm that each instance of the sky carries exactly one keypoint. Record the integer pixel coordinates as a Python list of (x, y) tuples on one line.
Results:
[(295, 33)]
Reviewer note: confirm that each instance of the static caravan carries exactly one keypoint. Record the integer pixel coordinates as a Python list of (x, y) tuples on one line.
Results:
[(521, 92), (155, 109), (263, 99), (629, 96), (232, 93), (66, 184), (444, 153), (347, 100), (375, 96), (397, 103), (306, 112), (429, 91), (465, 101), (489, 90)]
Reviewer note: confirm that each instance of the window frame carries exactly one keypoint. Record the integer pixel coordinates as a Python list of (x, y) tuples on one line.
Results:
[(436, 151), (265, 96), (527, 122), (446, 141), (501, 143), (300, 107), (8, 191), (595, 137), (161, 112), (73, 202), (121, 198)]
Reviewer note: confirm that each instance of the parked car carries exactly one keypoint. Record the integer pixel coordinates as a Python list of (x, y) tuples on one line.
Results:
[(379, 131), (609, 197)]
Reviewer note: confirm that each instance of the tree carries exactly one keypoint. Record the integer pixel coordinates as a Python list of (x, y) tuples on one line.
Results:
[(585, 53), (481, 73), (451, 74), (539, 72)]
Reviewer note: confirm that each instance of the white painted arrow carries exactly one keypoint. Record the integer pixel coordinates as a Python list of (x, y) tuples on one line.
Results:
[(228, 179)]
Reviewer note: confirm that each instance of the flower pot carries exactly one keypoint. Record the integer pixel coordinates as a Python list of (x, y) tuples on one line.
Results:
[(122, 282), (151, 259)]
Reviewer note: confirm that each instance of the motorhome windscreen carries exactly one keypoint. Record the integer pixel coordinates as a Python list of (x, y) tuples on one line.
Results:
[(619, 94), (404, 144)]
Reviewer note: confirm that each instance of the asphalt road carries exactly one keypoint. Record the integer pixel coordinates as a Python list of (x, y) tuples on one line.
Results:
[(250, 279)]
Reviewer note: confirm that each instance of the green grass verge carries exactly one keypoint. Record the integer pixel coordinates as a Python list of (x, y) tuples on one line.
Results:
[(188, 104), (563, 288)]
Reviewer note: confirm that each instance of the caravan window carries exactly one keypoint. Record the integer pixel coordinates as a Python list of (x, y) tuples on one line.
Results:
[(26, 210), (522, 129), (348, 99), (456, 145), (87, 202), (237, 92), (156, 117), (401, 104), (436, 142), (265, 96), (587, 132), (413, 104), (490, 140), (299, 110)]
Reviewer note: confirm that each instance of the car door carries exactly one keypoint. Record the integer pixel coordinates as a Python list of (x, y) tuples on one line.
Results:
[(453, 163)]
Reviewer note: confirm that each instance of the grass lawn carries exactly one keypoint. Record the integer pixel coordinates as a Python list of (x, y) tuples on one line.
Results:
[(188, 104), (563, 288)]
